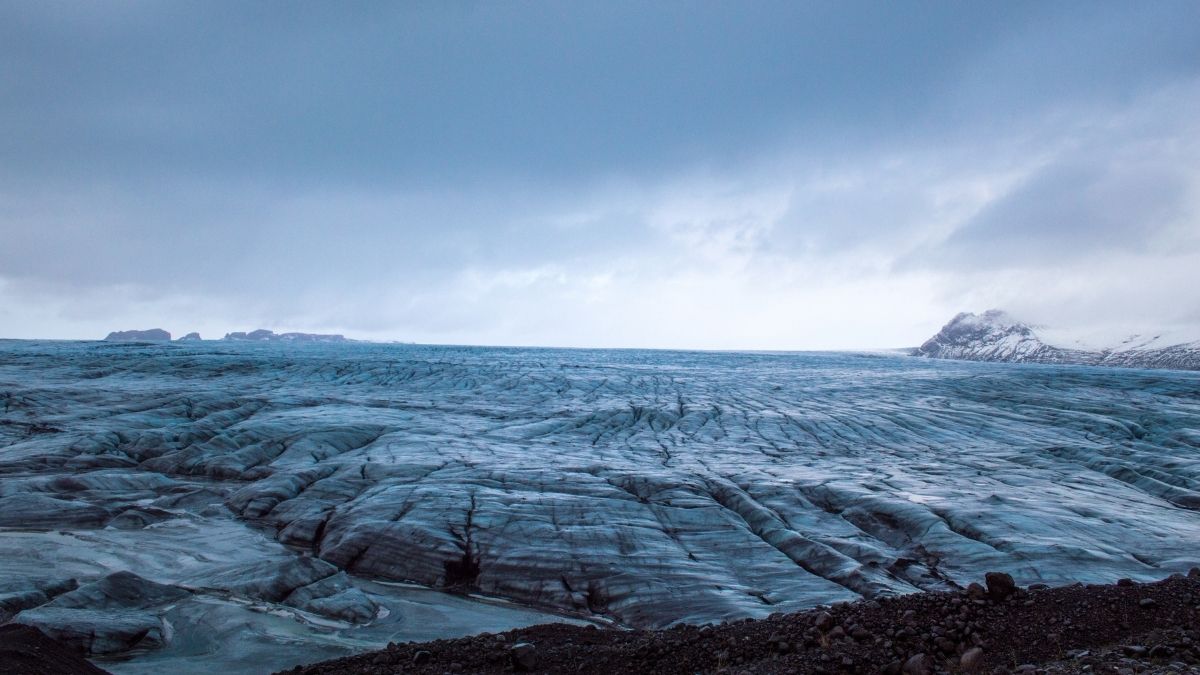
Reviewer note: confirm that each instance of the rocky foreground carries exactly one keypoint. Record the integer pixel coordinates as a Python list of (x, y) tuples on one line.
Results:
[(1122, 628)]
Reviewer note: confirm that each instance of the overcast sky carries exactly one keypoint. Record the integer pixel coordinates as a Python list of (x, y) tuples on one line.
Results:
[(697, 175)]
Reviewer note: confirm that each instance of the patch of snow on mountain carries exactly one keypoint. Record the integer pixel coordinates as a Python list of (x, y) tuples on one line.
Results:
[(997, 336)]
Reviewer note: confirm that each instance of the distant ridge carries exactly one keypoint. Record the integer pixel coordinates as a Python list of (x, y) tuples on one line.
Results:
[(151, 335), (996, 336), (262, 335)]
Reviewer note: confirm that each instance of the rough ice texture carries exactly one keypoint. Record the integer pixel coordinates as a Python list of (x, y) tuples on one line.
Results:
[(151, 335), (645, 487), (996, 336)]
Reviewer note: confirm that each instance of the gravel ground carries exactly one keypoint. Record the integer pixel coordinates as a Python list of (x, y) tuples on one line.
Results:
[(994, 627)]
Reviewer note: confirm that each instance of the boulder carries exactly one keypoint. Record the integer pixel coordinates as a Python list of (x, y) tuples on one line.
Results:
[(971, 660), (999, 585), (917, 664), (824, 621), (524, 656)]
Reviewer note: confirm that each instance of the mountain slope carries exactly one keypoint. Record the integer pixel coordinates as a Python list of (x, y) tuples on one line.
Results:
[(996, 336), (151, 335)]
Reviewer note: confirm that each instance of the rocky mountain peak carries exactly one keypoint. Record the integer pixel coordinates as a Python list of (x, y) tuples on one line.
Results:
[(995, 335), (151, 335)]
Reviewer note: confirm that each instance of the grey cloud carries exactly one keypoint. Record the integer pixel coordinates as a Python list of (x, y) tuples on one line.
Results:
[(276, 163), (1071, 210), (454, 92)]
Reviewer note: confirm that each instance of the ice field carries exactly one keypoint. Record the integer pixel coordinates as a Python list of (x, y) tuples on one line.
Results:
[(322, 497)]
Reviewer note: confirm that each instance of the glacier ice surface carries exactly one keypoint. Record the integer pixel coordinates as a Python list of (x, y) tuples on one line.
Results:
[(318, 496)]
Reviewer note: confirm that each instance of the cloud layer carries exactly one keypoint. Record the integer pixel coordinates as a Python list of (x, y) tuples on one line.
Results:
[(709, 176)]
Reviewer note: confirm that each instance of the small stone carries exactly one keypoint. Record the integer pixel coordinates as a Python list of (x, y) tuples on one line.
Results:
[(1161, 652), (999, 585), (779, 642), (524, 656), (971, 659), (421, 658), (975, 591), (917, 664), (1147, 603), (1134, 650), (1125, 582), (823, 621)]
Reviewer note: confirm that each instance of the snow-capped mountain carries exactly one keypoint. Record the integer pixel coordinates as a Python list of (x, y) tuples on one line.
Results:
[(996, 336)]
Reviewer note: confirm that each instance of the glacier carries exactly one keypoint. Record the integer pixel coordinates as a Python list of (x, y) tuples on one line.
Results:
[(197, 504)]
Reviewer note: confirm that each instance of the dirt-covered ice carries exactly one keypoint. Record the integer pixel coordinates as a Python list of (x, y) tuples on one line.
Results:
[(188, 496)]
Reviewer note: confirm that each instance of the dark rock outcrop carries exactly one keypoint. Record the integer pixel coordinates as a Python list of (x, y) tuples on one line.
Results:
[(263, 335), (151, 335), (190, 337)]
